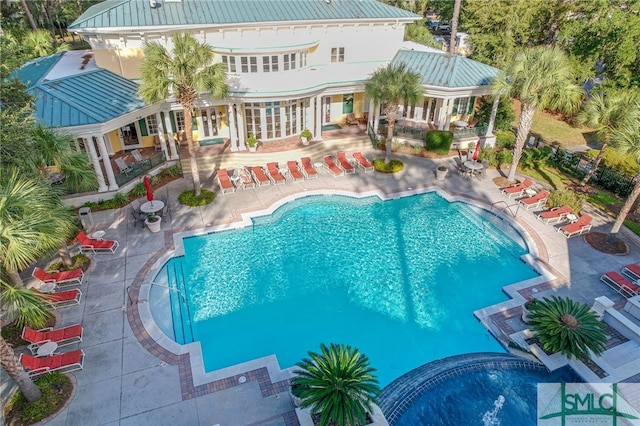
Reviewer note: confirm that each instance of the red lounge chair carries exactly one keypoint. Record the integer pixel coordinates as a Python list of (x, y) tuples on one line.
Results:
[(362, 162), (308, 168), (555, 215), (62, 336), (331, 166), (62, 299), (581, 226), (96, 246), (60, 279), (277, 178), (294, 171), (518, 189), (66, 362), (632, 271), (620, 284), (260, 176), (224, 181), (344, 163), (535, 201), (245, 178)]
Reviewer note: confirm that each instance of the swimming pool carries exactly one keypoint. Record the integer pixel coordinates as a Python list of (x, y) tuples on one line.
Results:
[(398, 279)]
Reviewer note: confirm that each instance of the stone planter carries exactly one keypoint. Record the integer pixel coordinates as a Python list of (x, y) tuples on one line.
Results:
[(154, 226), (440, 174)]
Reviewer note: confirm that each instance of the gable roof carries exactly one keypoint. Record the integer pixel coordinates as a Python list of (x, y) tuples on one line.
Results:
[(92, 97), (443, 70), (139, 13)]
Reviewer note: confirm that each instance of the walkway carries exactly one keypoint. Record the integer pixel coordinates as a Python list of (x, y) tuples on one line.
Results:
[(123, 383)]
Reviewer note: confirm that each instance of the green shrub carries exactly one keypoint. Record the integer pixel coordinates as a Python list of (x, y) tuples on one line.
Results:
[(155, 180), (120, 199), (504, 157), (536, 157), (439, 141), (505, 140), (489, 154), (188, 198), (91, 204), (173, 171), (138, 190), (393, 166), (565, 196), (53, 387)]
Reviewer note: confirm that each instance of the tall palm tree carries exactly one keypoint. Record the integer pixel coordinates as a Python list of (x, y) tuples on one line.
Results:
[(33, 222), (393, 84), (569, 327), (28, 14), (541, 78), (454, 26), (607, 113), (183, 72), (337, 383)]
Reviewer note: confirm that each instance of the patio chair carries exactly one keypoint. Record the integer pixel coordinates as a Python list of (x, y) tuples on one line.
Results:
[(122, 165), (59, 278), (362, 162), (62, 336), (96, 246), (555, 215), (138, 217), (351, 119), (332, 167), (135, 205), (344, 163), (140, 160), (62, 299), (518, 189), (294, 171), (632, 271), (157, 145), (581, 226), (535, 201), (260, 176), (620, 284), (66, 362), (308, 169), (224, 181), (275, 175)]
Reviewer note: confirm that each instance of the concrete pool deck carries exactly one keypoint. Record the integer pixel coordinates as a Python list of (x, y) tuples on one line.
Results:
[(130, 380)]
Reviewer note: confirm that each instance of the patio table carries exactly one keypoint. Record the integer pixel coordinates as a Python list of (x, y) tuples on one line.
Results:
[(152, 206)]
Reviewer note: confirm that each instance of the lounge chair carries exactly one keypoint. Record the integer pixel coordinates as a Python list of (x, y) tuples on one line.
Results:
[(632, 271), (245, 178), (362, 162), (620, 284), (581, 226), (517, 190), (122, 165), (62, 336), (344, 163), (535, 201), (294, 171), (555, 215), (59, 278), (308, 169), (224, 181), (137, 155), (277, 178), (351, 119), (331, 166), (96, 246), (66, 362), (260, 176), (62, 299)]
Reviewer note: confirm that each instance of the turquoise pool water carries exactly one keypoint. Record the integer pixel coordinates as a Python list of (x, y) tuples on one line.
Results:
[(397, 279)]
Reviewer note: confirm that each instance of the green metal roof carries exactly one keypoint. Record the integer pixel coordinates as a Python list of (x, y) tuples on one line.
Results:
[(139, 13), (443, 70), (90, 97)]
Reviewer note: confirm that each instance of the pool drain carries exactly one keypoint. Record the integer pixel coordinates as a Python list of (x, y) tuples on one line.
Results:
[(242, 379)]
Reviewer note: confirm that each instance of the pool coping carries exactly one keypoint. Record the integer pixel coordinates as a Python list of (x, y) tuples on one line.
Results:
[(266, 371)]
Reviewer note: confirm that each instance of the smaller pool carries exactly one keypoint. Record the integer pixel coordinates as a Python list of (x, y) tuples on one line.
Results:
[(459, 390)]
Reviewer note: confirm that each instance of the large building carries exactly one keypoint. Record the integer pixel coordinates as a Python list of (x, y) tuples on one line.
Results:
[(292, 65)]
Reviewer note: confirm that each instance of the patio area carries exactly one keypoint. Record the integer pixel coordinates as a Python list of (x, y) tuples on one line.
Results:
[(130, 379)]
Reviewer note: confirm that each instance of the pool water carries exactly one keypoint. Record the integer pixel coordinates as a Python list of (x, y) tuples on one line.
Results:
[(398, 279)]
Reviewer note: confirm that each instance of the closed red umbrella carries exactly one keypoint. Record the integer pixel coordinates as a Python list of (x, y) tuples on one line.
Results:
[(147, 185), (476, 152)]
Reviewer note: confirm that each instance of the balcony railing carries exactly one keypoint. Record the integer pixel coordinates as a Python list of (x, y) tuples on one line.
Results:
[(420, 133), (141, 168)]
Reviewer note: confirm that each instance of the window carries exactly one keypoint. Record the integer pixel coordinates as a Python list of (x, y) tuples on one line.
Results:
[(337, 54), (252, 116), (230, 62), (152, 125), (253, 62), (289, 61), (266, 64), (244, 64), (179, 117)]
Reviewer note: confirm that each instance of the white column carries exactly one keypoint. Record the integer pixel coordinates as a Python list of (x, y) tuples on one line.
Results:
[(308, 115), (241, 134), (102, 147), (371, 114), (173, 150), (376, 119), (233, 133), (494, 111), (88, 143), (318, 126), (163, 141), (449, 113)]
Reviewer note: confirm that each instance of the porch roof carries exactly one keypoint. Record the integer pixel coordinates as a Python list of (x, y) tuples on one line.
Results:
[(140, 13), (442, 70), (91, 97)]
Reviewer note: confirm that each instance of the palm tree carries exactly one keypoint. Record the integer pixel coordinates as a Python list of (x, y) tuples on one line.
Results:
[(184, 72), (607, 113), (338, 384), (569, 327), (393, 84), (628, 142), (541, 78), (454, 26), (33, 221)]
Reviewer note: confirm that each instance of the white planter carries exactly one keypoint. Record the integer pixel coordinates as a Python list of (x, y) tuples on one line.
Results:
[(154, 226), (305, 141), (252, 148), (440, 174), (378, 419)]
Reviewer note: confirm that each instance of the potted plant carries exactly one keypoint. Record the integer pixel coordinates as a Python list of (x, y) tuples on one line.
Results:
[(441, 172), (306, 136), (252, 142), (153, 222)]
